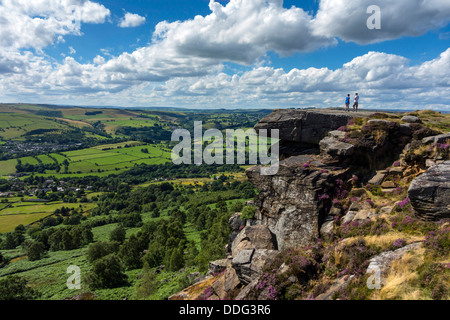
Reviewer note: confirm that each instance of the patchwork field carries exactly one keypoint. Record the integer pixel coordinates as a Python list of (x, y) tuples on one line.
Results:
[(15, 125), (100, 160)]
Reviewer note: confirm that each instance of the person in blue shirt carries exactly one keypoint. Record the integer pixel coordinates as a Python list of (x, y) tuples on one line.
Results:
[(347, 103)]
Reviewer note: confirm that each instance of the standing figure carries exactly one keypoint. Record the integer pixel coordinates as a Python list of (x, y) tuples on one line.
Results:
[(347, 103), (356, 104)]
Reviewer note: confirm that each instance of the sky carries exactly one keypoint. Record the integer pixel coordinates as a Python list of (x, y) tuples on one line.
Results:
[(226, 54)]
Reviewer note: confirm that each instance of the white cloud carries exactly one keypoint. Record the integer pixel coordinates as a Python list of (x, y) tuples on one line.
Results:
[(72, 50), (242, 31), (184, 64), (131, 20), (384, 80), (348, 19), (39, 23), (99, 60)]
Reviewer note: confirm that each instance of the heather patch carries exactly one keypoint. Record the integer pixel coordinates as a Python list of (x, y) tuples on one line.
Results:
[(437, 243), (349, 259), (434, 279), (408, 223)]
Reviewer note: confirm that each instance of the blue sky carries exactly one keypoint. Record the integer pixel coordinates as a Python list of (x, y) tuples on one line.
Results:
[(225, 54)]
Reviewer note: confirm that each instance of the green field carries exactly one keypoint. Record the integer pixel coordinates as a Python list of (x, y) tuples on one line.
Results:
[(15, 125), (8, 167), (27, 213), (45, 159), (100, 160)]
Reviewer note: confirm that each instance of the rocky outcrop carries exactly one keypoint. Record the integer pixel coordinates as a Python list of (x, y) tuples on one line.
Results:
[(289, 203), (218, 266), (304, 126), (359, 212), (429, 193), (335, 148), (411, 119), (236, 224), (442, 138), (253, 237), (304, 201), (249, 263)]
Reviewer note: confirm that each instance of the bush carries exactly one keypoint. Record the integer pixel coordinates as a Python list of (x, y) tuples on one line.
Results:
[(302, 265), (107, 273), (351, 259), (437, 243), (408, 223), (132, 220), (35, 250), (434, 278), (118, 234), (248, 213), (420, 131), (364, 228), (131, 253), (16, 288), (99, 250)]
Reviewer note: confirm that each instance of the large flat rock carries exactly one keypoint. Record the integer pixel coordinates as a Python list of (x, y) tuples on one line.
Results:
[(306, 126)]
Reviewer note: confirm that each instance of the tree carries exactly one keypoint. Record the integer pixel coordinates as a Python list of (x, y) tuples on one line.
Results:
[(148, 284), (66, 241), (131, 253), (176, 261), (155, 254), (35, 250), (99, 250), (10, 242), (20, 229), (16, 288), (107, 273), (118, 234)]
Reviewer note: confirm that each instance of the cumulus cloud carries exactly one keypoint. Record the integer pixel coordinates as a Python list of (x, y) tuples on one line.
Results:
[(184, 63), (384, 80), (131, 20), (39, 23), (347, 20), (243, 31)]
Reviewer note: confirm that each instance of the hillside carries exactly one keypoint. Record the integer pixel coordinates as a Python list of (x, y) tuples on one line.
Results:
[(71, 178), (348, 207), (359, 210)]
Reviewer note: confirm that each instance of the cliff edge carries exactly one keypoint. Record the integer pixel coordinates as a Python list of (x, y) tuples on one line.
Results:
[(359, 198)]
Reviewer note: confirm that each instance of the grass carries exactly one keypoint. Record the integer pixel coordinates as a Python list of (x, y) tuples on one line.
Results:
[(33, 208), (401, 278), (192, 235), (385, 241), (29, 160), (49, 275), (15, 125), (8, 167), (99, 161), (46, 159), (9, 222), (29, 213)]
